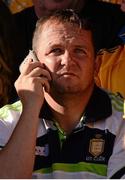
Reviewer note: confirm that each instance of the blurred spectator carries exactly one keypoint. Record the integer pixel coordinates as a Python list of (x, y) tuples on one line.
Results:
[(111, 69), (10, 48), (18, 5), (111, 64)]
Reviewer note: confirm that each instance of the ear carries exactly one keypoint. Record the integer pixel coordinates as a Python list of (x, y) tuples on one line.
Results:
[(97, 64)]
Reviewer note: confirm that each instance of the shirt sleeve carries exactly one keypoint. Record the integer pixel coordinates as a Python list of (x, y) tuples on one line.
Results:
[(9, 116), (116, 165)]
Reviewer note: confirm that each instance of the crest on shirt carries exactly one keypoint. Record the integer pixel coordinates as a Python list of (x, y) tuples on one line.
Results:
[(96, 146)]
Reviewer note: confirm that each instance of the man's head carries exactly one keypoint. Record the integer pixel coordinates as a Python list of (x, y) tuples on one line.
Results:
[(44, 7), (64, 43)]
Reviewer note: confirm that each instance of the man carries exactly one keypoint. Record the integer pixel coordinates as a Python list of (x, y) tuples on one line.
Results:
[(64, 126), (108, 20)]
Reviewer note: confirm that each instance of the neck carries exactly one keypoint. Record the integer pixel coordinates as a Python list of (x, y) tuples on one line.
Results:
[(68, 109)]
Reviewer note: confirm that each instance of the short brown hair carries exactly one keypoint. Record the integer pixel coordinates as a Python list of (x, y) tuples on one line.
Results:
[(65, 15)]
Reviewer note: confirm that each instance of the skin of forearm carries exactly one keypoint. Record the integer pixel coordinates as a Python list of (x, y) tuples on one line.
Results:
[(17, 158)]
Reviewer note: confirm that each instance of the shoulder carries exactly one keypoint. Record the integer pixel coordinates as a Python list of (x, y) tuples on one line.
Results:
[(115, 122), (117, 102), (9, 116), (6, 110)]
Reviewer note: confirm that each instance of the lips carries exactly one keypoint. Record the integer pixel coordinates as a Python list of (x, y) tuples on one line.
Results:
[(67, 74)]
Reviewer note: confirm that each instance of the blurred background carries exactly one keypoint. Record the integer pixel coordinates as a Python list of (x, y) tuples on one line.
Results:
[(18, 5)]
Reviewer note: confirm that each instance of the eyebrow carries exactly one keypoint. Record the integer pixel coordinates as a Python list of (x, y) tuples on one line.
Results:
[(54, 45), (61, 44), (81, 46)]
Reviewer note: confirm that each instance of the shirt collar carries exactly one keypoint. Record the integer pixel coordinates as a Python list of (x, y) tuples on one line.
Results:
[(98, 108)]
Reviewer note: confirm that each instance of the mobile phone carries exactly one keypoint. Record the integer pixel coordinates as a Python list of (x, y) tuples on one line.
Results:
[(31, 55)]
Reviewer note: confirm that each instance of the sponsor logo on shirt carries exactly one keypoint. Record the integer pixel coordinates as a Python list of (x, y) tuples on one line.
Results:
[(42, 151)]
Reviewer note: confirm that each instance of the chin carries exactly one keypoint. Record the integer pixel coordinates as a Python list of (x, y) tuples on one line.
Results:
[(69, 89), (66, 86)]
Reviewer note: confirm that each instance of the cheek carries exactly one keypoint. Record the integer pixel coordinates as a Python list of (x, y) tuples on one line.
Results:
[(88, 68), (51, 64)]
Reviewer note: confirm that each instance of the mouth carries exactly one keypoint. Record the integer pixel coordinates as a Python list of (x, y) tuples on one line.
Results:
[(67, 74)]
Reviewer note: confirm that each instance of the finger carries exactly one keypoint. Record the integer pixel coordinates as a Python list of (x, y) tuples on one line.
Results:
[(43, 81), (46, 85), (28, 66), (38, 71), (35, 84)]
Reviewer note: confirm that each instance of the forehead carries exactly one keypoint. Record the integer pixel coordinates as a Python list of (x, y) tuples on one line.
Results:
[(56, 32)]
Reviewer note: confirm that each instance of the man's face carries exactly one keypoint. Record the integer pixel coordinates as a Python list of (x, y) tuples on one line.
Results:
[(44, 7), (68, 53)]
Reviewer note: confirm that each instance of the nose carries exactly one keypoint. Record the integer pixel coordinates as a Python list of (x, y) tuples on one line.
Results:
[(67, 59)]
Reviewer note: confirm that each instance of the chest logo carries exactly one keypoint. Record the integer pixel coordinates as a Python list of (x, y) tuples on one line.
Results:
[(96, 146), (42, 151)]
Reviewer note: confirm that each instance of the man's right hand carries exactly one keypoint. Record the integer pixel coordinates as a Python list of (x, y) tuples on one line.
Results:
[(31, 83)]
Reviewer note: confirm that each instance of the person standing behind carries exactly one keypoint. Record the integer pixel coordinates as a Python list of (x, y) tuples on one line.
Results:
[(64, 126), (111, 63)]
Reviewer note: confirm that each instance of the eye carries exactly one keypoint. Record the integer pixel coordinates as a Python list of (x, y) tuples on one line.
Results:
[(56, 51), (80, 51)]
